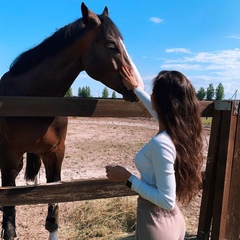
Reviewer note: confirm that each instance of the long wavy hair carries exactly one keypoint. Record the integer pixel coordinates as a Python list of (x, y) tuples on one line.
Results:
[(175, 102)]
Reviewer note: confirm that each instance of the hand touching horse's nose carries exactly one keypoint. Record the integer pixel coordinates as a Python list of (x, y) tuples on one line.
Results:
[(128, 78), (117, 173)]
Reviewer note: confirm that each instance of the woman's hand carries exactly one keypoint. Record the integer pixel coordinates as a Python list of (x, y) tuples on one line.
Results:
[(129, 79), (117, 173)]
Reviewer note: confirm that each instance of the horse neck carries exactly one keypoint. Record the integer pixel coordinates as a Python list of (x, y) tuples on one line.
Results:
[(67, 66), (52, 77)]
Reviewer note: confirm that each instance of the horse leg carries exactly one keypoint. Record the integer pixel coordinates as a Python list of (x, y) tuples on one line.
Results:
[(52, 220), (9, 172), (53, 162), (8, 224)]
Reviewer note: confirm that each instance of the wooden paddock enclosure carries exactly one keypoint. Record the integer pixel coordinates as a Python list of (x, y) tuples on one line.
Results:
[(220, 208)]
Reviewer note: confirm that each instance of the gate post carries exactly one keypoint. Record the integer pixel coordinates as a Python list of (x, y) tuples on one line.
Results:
[(213, 219), (233, 214)]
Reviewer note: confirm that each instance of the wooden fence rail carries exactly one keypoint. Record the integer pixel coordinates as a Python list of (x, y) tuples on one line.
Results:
[(77, 190), (79, 107)]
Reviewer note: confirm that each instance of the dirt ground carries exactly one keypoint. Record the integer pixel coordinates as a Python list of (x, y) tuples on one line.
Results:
[(91, 144)]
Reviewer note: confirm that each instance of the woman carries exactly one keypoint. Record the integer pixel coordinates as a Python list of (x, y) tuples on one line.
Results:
[(170, 163)]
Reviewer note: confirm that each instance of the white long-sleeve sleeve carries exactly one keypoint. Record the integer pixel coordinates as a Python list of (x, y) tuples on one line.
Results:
[(146, 100)]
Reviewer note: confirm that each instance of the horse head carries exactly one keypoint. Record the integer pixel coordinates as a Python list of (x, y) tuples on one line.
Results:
[(105, 54)]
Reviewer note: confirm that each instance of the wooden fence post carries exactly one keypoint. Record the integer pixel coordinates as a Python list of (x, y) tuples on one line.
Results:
[(233, 214), (217, 187), (205, 218)]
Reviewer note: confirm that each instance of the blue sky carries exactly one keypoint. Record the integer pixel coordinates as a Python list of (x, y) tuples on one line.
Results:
[(200, 38)]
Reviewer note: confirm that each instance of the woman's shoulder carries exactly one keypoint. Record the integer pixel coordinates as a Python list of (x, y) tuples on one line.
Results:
[(162, 137), (163, 140), (161, 146)]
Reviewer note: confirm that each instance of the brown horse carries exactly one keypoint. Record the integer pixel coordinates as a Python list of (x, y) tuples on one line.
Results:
[(92, 43)]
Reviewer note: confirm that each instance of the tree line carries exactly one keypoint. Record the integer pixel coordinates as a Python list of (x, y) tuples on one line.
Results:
[(85, 92), (209, 94)]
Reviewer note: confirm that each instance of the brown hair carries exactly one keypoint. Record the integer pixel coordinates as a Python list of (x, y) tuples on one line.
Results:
[(175, 102)]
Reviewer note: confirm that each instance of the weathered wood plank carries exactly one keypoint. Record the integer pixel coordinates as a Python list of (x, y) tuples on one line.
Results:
[(233, 215), (63, 192), (81, 107), (206, 210), (207, 108), (223, 177)]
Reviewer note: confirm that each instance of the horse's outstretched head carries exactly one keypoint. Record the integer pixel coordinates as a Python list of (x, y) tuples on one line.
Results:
[(104, 52)]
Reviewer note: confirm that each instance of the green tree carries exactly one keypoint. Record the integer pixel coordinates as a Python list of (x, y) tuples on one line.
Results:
[(105, 93), (114, 95), (79, 92), (69, 93), (84, 92), (210, 92), (219, 92), (201, 94)]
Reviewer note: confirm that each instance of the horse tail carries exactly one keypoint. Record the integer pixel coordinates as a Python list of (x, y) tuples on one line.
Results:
[(32, 166)]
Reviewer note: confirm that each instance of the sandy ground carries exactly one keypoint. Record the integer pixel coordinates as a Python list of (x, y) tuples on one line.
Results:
[(91, 144)]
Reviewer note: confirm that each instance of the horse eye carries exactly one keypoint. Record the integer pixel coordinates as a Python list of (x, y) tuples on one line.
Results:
[(111, 46)]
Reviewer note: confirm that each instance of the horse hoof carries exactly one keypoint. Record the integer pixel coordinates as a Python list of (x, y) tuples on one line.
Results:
[(9, 233), (10, 236), (52, 219), (51, 225)]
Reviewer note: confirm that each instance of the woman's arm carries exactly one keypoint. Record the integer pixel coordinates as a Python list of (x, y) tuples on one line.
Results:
[(131, 83), (146, 100), (162, 154)]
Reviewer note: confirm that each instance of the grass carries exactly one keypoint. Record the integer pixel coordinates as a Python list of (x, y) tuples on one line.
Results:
[(113, 218), (206, 120), (104, 219)]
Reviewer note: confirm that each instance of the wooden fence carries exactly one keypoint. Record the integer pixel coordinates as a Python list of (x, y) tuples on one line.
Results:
[(220, 208)]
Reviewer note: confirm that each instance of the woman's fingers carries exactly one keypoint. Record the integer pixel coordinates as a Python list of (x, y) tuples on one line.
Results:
[(127, 71), (122, 74), (128, 78), (117, 173)]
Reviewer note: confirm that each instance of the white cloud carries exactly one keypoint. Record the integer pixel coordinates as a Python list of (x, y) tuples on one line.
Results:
[(222, 57), (203, 68), (237, 36), (181, 67), (223, 60), (178, 50), (156, 20)]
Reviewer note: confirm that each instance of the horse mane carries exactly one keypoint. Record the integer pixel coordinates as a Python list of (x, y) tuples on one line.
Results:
[(59, 40), (109, 27)]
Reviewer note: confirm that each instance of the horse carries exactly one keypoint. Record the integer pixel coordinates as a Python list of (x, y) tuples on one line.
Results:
[(93, 44)]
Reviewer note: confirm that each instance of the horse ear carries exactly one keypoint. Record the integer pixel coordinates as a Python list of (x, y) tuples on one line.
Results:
[(89, 17), (105, 12)]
